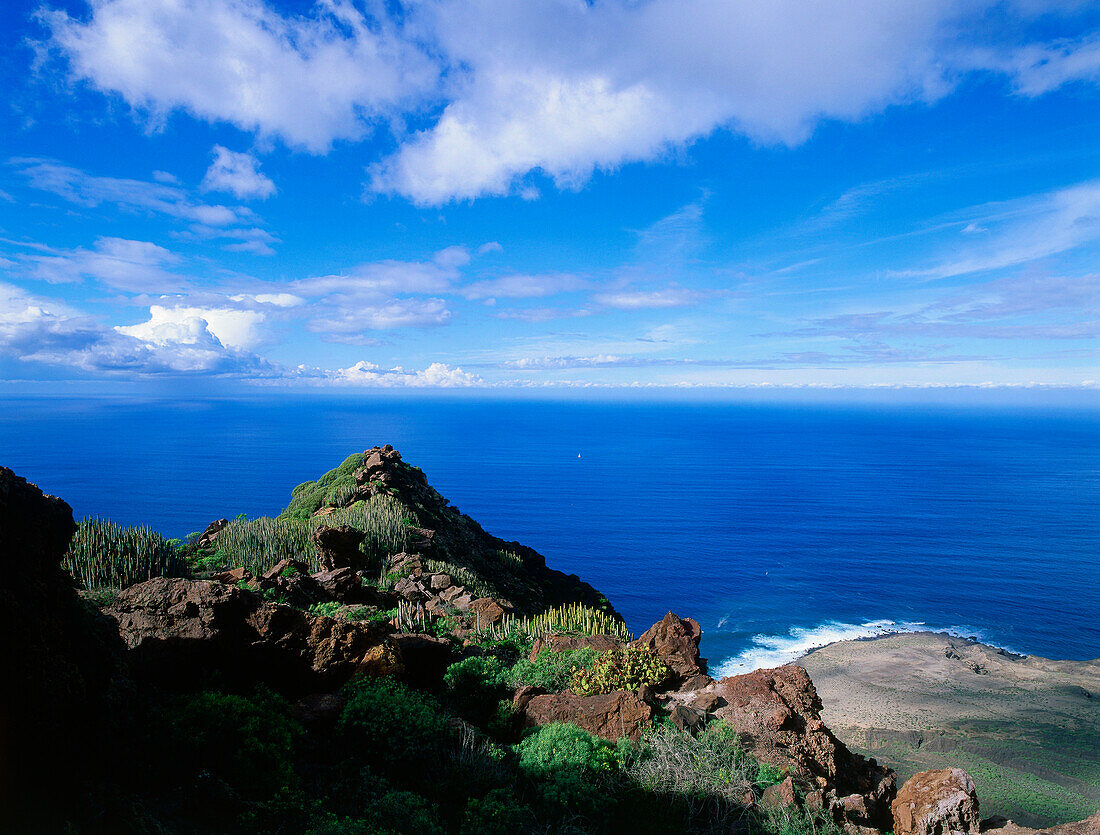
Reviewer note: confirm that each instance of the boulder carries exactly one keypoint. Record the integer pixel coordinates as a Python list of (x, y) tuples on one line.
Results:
[(687, 719), (183, 632), (675, 640), (288, 568), (206, 539), (938, 802), (338, 547), (780, 794), (487, 611), (560, 643), (777, 714), (610, 715)]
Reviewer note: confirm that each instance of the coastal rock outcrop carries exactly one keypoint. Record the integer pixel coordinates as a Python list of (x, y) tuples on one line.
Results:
[(182, 632), (675, 641), (777, 715), (610, 715), (939, 802), (1001, 826)]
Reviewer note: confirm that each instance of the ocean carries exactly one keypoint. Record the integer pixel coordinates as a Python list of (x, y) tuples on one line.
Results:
[(779, 527)]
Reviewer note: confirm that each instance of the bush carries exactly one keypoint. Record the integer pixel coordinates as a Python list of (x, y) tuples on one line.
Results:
[(393, 727), (390, 813), (560, 746), (104, 555), (475, 685), (327, 610), (552, 670), (621, 669), (249, 742), (500, 812), (573, 618)]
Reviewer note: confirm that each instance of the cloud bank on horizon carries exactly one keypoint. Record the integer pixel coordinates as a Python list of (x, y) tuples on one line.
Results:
[(552, 193)]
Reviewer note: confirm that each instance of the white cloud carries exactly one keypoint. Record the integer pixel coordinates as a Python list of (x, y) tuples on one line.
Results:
[(237, 173), (645, 299), (311, 78), (436, 375), (523, 286), (232, 328), (136, 266), (274, 299)]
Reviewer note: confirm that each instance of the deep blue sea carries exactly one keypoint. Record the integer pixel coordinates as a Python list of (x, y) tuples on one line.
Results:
[(778, 527)]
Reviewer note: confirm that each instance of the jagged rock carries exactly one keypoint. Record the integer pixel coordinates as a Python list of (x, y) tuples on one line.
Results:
[(777, 715), (560, 643), (610, 715), (938, 802), (233, 576), (781, 794), (687, 719), (340, 584), (288, 567), (675, 640), (706, 702), (522, 697), (338, 547), (206, 540), (64, 676), (425, 656), (180, 632)]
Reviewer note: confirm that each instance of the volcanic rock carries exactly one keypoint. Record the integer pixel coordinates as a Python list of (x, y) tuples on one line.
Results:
[(181, 632), (675, 640), (338, 547), (776, 713), (610, 715), (206, 540), (939, 802)]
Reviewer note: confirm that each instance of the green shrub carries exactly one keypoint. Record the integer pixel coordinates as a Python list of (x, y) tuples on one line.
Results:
[(392, 726), (621, 669), (792, 820), (249, 742), (104, 555), (389, 813), (327, 610), (308, 497), (500, 812), (552, 670), (560, 746), (475, 686)]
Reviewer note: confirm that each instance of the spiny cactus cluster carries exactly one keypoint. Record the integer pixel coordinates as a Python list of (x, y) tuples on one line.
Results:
[(105, 555)]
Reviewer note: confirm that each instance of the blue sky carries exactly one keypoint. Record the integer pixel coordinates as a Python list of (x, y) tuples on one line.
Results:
[(489, 194)]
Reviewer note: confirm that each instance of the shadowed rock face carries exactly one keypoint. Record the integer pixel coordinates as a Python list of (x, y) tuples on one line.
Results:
[(64, 666), (675, 641), (777, 715), (182, 632)]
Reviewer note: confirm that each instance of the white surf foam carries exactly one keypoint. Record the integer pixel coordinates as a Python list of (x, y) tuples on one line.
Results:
[(775, 650)]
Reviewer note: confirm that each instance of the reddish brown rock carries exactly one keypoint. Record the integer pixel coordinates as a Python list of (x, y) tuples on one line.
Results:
[(338, 547), (610, 715), (182, 631), (560, 643), (487, 611), (288, 567), (939, 802), (522, 697), (675, 640), (777, 714), (206, 540), (1002, 826), (781, 794)]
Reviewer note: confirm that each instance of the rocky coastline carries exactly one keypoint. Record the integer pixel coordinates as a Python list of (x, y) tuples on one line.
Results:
[(405, 671)]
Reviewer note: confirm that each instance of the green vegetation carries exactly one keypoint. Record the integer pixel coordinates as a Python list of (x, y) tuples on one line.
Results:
[(574, 618), (258, 544), (327, 610), (104, 555), (310, 496), (552, 670), (620, 669)]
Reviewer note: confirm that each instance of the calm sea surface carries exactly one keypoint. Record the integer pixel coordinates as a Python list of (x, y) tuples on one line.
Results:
[(777, 527)]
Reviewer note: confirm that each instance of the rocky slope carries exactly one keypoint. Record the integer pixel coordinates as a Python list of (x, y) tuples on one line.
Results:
[(287, 701)]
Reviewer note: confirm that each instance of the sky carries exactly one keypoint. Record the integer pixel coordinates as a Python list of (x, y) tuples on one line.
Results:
[(552, 194)]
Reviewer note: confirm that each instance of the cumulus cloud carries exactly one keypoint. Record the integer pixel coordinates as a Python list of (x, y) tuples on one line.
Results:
[(436, 375), (238, 174), (565, 89), (310, 79), (233, 328)]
